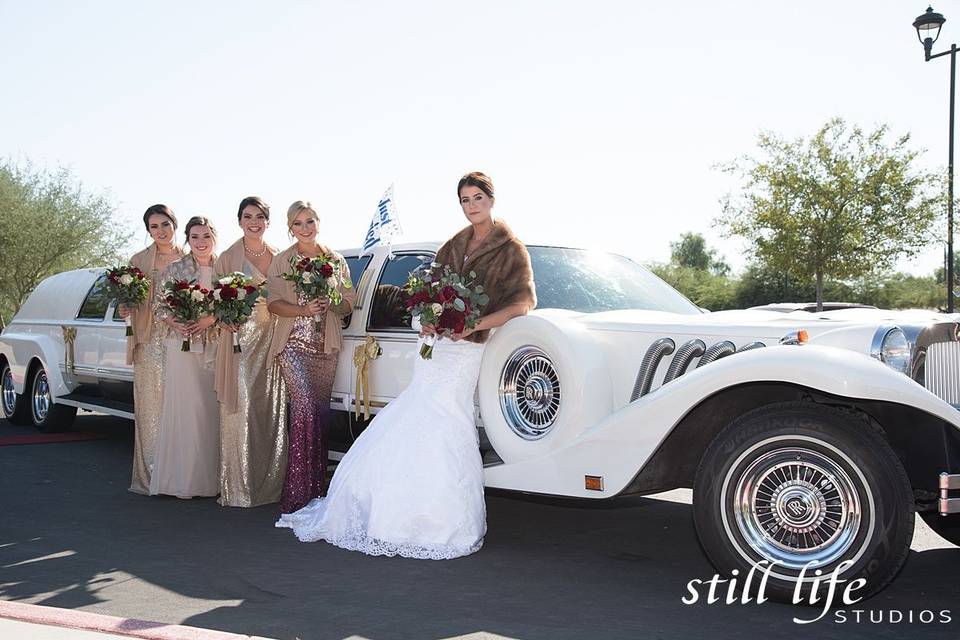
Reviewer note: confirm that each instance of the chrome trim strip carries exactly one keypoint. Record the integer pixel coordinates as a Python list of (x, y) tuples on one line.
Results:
[(95, 407)]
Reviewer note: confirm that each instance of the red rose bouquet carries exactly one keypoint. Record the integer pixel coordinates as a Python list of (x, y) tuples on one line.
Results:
[(316, 278), (442, 298), (232, 300), (186, 301), (130, 287)]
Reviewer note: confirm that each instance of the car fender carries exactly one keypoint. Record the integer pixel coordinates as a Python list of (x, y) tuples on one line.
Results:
[(586, 399), (21, 349), (618, 446)]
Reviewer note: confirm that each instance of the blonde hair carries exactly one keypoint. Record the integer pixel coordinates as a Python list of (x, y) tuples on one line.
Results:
[(295, 209)]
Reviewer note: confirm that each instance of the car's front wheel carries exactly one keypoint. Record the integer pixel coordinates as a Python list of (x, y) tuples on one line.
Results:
[(804, 488), (13, 406), (47, 416)]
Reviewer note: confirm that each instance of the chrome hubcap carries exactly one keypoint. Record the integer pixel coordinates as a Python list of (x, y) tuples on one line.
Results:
[(530, 393), (795, 506), (9, 394), (41, 397)]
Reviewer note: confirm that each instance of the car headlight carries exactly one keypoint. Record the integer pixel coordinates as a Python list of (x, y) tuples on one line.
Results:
[(892, 348)]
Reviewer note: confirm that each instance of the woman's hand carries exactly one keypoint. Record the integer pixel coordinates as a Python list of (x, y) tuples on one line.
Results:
[(316, 307), (124, 311), (176, 326), (199, 326), (463, 334)]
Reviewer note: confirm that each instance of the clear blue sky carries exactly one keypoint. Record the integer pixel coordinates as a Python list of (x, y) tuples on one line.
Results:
[(599, 121)]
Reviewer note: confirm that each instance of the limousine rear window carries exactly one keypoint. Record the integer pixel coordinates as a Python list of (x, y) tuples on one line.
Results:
[(95, 305)]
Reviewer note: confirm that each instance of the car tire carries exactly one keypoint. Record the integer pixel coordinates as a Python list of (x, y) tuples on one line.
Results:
[(45, 415), (13, 405), (795, 483), (947, 527)]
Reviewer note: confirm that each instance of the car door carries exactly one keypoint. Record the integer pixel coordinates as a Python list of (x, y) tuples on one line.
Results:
[(89, 324), (113, 347), (387, 321)]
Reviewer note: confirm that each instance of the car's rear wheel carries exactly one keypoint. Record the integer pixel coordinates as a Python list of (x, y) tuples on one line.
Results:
[(947, 527), (13, 405), (805, 488), (47, 416)]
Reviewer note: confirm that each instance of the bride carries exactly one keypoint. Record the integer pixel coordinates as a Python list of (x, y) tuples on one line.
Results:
[(412, 483)]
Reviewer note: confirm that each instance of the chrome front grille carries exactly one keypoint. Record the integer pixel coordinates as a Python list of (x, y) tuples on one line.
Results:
[(942, 371)]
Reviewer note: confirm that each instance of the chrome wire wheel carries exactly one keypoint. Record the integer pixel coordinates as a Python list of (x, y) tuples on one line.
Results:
[(8, 393), (530, 393), (796, 506), (41, 397)]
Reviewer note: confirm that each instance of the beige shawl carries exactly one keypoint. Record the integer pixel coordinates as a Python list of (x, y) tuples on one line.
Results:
[(280, 289), (142, 315)]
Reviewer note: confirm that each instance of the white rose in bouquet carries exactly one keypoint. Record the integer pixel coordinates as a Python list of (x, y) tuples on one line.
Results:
[(126, 279), (332, 282), (197, 295), (226, 280), (216, 295), (241, 293), (437, 308), (307, 277)]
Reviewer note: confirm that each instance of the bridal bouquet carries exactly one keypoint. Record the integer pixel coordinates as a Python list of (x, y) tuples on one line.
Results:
[(232, 300), (316, 278), (130, 287), (186, 301), (442, 298)]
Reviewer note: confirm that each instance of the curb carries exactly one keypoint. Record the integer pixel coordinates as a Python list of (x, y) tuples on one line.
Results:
[(131, 627)]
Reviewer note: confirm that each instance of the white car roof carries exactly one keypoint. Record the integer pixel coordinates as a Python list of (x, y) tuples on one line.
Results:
[(59, 296)]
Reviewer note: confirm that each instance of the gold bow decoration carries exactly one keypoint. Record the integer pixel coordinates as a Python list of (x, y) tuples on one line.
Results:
[(363, 355), (69, 356)]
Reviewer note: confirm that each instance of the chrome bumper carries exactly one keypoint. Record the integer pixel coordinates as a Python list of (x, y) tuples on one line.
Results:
[(949, 482)]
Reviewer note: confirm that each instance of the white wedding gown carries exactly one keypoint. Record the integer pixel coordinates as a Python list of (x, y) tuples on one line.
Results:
[(412, 483)]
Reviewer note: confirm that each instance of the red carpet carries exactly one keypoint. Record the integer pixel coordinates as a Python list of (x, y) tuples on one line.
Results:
[(48, 438)]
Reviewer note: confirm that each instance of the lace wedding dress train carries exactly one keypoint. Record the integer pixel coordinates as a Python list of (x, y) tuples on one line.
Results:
[(412, 483)]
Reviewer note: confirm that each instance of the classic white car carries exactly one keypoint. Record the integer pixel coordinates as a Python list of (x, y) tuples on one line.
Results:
[(809, 440)]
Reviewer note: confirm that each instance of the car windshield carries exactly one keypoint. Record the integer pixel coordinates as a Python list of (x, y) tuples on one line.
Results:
[(589, 281)]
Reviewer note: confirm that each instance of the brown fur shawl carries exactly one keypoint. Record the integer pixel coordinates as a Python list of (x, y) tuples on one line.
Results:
[(501, 263)]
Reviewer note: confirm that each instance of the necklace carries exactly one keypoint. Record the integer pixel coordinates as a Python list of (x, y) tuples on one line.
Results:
[(255, 255)]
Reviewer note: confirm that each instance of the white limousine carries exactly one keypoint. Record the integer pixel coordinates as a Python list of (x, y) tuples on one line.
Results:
[(809, 440)]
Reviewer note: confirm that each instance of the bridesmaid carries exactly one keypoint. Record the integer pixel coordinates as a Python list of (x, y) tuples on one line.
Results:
[(145, 346), (253, 445), (188, 446), (307, 358)]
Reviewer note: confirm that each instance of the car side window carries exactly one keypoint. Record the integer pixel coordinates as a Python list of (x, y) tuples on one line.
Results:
[(94, 306), (357, 266), (388, 313)]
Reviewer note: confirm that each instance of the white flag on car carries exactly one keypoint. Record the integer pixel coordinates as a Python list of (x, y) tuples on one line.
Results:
[(385, 225)]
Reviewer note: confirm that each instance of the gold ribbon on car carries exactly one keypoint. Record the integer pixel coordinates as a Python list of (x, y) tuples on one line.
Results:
[(363, 355), (69, 356)]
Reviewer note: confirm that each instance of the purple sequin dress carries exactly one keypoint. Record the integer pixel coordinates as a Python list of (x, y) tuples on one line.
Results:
[(308, 374)]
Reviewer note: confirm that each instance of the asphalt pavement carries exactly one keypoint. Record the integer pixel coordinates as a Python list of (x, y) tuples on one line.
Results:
[(72, 536)]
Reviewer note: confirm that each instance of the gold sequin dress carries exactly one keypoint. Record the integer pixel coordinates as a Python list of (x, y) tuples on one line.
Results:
[(148, 360), (253, 439)]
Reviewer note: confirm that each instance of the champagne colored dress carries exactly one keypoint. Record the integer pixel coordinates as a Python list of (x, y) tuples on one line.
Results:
[(147, 363), (253, 438), (188, 446)]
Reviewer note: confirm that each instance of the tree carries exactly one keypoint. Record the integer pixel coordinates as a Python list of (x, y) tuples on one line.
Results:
[(50, 223), (691, 251), (843, 204)]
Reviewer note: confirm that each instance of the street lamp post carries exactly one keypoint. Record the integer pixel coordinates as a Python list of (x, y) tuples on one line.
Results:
[(928, 30)]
